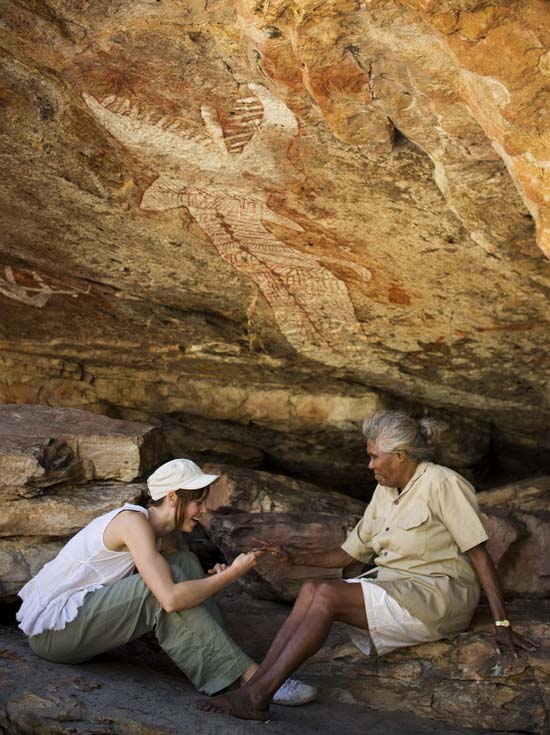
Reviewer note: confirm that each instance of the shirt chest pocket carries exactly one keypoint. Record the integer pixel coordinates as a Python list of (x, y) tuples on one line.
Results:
[(409, 532)]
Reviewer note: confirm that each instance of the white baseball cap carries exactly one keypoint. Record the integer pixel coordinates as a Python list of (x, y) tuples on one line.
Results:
[(178, 474)]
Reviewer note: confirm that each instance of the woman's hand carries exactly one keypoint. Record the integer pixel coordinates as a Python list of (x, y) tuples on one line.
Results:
[(217, 568), (508, 640), (281, 552), (331, 559), (245, 562)]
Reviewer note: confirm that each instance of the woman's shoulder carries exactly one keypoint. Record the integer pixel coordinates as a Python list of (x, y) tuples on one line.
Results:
[(440, 471), (136, 508), (442, 479), (128, 515), (127, 523), (97, 527)]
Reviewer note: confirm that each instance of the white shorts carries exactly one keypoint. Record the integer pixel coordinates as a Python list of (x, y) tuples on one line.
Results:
[(390, 625)]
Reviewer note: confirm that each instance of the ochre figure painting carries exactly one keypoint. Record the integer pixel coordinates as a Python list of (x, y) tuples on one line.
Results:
[(216, 174)]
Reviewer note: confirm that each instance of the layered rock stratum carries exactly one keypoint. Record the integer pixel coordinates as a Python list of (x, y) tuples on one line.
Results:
[(257, 221), (60, 469)]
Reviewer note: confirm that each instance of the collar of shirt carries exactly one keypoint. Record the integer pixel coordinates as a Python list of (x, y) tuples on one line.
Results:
[(420, 470)]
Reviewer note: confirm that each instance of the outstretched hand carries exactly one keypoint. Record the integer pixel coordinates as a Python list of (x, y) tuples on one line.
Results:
[(243, 563), (507, 641), (281, 552)]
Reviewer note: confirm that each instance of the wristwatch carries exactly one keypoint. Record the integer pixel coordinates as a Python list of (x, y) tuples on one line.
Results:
[(502, 623)]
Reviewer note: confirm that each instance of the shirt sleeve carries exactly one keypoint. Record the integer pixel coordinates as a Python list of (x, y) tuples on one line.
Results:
[(459, 511), (358, 543)]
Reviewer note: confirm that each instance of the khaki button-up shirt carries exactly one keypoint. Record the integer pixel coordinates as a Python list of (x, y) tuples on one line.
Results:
[(417, 539)]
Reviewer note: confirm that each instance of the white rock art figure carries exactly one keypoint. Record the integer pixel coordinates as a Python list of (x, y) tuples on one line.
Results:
[(219, 174), (38, 295)]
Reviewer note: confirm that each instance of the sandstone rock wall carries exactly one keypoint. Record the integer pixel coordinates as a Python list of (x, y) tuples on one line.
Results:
[(46, 446), (337, 198), (517, 519), (60, 469)]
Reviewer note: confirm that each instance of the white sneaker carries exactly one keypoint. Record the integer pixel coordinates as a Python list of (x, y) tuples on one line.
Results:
[(293, 693)]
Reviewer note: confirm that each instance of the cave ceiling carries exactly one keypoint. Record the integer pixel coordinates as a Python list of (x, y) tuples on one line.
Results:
[(278, 214)]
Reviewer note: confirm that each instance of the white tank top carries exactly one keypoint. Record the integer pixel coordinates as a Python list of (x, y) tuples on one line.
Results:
[(52, 598)]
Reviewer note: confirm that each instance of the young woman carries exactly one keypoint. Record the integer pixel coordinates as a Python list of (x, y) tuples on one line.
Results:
[(87, 601)]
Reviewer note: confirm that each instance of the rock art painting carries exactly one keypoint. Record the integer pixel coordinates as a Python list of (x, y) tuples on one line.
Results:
[(32, 288), (221, 173)]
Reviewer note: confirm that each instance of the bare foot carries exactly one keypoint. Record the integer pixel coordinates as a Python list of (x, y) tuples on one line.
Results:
[(237, 704)]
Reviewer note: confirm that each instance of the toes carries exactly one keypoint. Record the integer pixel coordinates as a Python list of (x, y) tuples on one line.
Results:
[(221, 711), (233, 710), (210, 706), (204, 706)]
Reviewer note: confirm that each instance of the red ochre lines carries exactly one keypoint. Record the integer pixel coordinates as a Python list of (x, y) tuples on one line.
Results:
[(247, 116)]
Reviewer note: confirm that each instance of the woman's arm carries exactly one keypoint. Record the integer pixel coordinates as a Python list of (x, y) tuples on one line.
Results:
[(488, 577), (332, 559), (135, 532)]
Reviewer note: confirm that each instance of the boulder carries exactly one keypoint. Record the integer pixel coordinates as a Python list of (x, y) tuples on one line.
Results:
[(517, 519), (503, 531), (520, 546), (271, 579), (51, 464), (531, 494), (42, 446), (241, 490), (245, 505), (461, 682), (21, 559), (33, 530), (28, 465), (64, 512)]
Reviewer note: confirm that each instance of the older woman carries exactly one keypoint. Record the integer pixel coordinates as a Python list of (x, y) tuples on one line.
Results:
[(423, 532)]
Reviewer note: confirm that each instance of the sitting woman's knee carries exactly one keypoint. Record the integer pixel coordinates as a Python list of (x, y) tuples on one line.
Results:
[(178, 575), (309, 587), (188, 565), (325, 594)]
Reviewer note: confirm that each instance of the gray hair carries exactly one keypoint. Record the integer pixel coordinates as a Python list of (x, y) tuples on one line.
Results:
[(392, 430)]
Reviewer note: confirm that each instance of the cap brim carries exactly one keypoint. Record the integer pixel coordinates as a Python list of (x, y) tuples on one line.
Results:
[(202, 481)]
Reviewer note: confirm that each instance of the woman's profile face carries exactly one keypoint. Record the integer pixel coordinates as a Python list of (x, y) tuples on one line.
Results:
[(385, 465), (192, 515)]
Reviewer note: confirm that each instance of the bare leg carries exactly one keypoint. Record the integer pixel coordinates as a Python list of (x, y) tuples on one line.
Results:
[(331, 601), (287, 630), (289, 627), (300, 608), (247, 675)]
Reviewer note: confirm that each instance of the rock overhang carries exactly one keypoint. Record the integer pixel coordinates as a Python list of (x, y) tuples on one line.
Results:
[(338, 196)]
